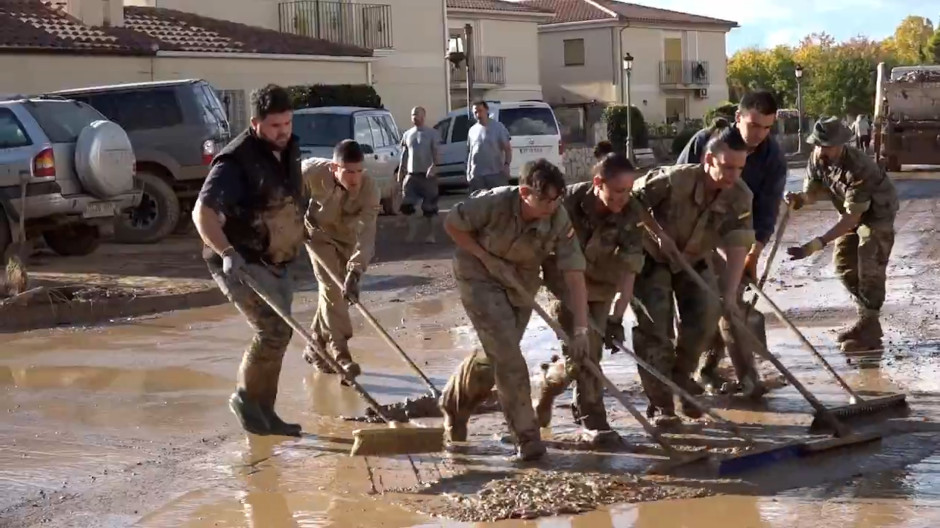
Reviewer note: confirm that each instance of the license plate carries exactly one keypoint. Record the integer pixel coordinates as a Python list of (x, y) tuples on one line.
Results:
[(530, 150), (99, 209)]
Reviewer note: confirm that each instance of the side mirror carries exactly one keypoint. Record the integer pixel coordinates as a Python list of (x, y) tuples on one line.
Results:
[(366, 148)]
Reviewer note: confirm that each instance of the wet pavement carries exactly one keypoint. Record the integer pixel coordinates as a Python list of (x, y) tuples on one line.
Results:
[(126, 424)]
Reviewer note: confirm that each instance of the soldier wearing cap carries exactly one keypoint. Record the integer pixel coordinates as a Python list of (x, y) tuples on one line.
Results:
[(700, 207), (867, 203)]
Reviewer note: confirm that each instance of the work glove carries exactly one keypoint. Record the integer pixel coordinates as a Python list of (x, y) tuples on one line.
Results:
[(351, 286), (579, 346), (795, 200), (232, 262), (807, 249), (614, 335), (750, 267)]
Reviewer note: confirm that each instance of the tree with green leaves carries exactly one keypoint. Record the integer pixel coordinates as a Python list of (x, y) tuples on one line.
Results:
[(909, 42), (933, 47)]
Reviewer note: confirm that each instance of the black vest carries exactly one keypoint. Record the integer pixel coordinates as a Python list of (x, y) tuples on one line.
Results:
[(269, 186)]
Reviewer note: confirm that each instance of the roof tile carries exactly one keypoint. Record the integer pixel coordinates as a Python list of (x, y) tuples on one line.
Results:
[(583, 11), (495, 5), (37, 26)]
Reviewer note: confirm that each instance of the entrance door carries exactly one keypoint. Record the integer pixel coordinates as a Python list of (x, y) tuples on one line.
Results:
[(675, 109)]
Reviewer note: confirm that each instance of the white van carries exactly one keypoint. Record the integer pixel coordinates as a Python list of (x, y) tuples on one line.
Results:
[(532, 126)]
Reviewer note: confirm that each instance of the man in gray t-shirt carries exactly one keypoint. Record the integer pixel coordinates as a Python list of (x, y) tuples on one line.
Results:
[(490, 153), (417, 174)]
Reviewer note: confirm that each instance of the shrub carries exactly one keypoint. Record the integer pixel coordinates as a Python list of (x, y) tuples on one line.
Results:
[(682, 139), (317, 95), (615, 116), (725, 109)]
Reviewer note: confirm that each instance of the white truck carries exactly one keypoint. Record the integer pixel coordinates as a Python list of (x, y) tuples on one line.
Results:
[(907, 116)]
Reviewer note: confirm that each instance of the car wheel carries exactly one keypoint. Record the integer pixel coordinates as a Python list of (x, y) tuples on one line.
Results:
[(156, 216), (73, 240)]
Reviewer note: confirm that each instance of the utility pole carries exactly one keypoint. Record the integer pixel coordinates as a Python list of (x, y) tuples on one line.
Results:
[(471, 73)]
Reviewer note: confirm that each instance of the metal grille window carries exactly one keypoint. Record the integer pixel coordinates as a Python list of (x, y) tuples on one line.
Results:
[(236, 108)]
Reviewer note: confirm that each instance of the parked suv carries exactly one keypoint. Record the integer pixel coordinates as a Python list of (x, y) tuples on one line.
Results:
[(76, 169), (176, 128), (532, 126), (320, 129)]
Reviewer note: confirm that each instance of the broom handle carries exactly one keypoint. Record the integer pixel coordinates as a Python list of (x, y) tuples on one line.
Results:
[(594, 370), (773, 253), (809, 346), (704, 408), (375, 324), (246, 277), (736, 318)]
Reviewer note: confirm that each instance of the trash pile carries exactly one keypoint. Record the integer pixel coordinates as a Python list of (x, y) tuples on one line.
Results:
[(549, 493), (919, 76)]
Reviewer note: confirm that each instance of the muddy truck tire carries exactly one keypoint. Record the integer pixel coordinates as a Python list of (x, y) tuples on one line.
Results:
[(74, 240), (155, 218)]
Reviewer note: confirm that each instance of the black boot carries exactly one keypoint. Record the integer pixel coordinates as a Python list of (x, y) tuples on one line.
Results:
[(278, 426), (249, 414)]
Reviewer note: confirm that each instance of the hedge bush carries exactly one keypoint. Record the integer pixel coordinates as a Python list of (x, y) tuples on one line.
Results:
[(682, 139), (725, 109), (615, 117), (317, 95)]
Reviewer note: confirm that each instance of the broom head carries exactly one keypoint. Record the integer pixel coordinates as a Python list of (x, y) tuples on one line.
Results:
[(397, 441)]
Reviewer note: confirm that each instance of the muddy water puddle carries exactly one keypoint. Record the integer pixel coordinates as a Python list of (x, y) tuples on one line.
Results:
[(82, 403)]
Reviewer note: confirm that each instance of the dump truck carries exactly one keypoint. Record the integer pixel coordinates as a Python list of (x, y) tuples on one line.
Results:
[(906, 125)]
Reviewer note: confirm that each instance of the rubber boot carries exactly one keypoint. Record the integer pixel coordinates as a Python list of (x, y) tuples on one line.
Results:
[(867, 335), (858, 330), (350, 367), (414, 224), (530, 450), (466, 389), (277, 426), (432, 237), (249, 414), (752, 387), (313, 358), (555, 381)]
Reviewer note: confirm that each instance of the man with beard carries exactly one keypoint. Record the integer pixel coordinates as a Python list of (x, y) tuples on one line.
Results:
[(765, 174), (250, 216), (867, 203), (417, 175)]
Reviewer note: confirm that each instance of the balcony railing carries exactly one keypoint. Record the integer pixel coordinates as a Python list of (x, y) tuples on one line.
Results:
[(691, 73), (486, 70), (364, 25)]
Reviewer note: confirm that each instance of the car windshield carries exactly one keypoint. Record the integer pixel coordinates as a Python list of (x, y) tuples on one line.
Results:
[(321, 130), (63, 121), (528, 121)]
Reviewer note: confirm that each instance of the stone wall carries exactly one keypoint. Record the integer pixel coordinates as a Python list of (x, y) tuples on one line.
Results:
[(578, 162)]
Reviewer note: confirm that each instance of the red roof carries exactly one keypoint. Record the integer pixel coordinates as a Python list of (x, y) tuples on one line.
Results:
[(588, 10), (495, 5), (34, 26)]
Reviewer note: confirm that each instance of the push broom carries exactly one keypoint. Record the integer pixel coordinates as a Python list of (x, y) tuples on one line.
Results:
[(392, 441)]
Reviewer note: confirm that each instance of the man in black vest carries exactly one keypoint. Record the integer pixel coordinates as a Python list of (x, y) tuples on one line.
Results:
[(250, 214)]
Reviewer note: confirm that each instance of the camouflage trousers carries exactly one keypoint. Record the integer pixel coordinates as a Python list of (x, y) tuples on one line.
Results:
[(499, 326), (729, 338), (861, 261), (331, 324), (588, 407), (658, 295), (260, 368)]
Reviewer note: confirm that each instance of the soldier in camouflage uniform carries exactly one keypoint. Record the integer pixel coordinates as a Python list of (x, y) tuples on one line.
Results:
[(250, 217), (867, 202), (700, 207), (501, 234), (341, 223), (610, 231)]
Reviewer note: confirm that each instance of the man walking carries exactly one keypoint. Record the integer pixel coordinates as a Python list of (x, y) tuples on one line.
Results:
[(699, 207), (340, 221), (417, 174), (490, 153), (502, 235), (249, 214), (867, 203), (609, 228), (765, 174)]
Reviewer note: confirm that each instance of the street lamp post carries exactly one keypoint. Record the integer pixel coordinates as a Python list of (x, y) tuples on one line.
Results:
[(628, 68), (799, 108)]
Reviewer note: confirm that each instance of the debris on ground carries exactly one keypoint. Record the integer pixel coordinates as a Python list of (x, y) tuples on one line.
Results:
[(549, 493), (14, 280), (915, 76)]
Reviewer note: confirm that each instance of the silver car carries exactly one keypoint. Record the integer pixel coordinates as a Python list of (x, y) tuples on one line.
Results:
[(320, 129), (74, 168)]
